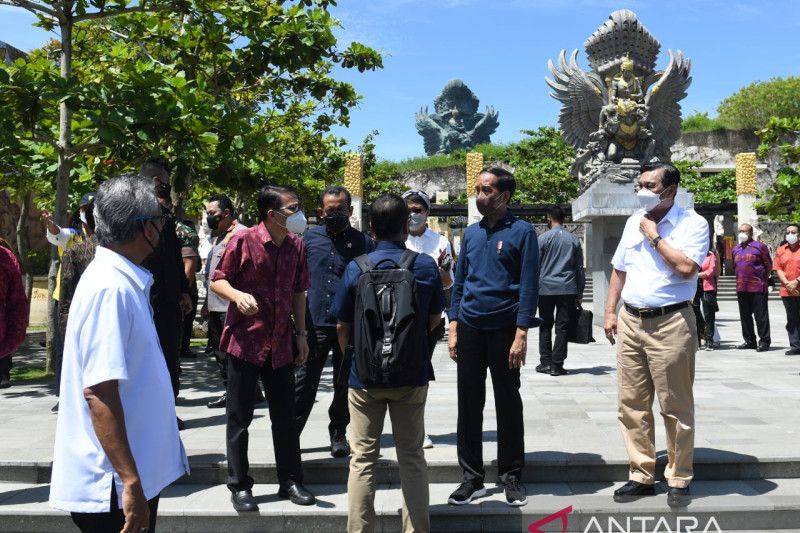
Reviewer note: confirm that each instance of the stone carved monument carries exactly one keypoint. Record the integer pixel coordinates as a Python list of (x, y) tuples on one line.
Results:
[(456, 123), (621, 114)]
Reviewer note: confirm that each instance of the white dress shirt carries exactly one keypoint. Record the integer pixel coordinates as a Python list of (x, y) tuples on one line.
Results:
[(111, 336), (649, 281), (432, 244)]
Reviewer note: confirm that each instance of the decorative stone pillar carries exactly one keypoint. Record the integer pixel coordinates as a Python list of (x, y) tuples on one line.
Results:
[(354, 183), (746, 190), (474, 167)]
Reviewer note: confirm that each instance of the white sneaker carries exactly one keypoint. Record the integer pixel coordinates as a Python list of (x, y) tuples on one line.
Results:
[(427, 442)]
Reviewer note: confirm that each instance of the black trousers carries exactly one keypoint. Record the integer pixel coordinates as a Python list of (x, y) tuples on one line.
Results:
[(322, 341), (216, 321), (562, 304), (279, 390), (169, 325), (710, 308), (113, 520), (792, 305), (754, 305), (476, 350), (700, 321), (188, 323), (5, 366)]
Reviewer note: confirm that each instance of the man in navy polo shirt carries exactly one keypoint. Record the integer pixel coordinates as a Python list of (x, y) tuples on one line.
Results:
[(406, 400), (494, 303), (329, 247)]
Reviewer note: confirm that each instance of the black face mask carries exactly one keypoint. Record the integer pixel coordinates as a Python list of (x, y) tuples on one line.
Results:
[(213, 221), (337, 222)]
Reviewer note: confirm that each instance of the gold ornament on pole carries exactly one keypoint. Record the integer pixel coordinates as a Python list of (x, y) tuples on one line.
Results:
[(746, 173), (474, 167), (354, 183)]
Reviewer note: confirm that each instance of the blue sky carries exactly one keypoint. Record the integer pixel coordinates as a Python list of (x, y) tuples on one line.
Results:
[(500, 49)]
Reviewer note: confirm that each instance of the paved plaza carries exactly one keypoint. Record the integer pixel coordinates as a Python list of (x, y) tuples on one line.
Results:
[(748, 416)]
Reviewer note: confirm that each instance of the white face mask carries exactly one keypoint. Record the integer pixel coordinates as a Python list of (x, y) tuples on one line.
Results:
[(648, 200), (743, 238), (296, 223), (791, 238), (416, 221)]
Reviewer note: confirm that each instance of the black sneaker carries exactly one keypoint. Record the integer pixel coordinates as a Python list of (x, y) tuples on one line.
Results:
[(339, 446), (5, 382), (516, 495), (466, 492), (543, 368)]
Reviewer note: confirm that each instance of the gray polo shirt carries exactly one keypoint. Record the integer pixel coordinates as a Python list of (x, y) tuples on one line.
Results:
[(217, 304), (560, 263)]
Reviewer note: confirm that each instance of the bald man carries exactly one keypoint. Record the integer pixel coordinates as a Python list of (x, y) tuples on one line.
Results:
[(753, 264)]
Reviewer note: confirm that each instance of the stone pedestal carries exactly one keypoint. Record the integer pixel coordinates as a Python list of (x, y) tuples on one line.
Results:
[(606, 206)]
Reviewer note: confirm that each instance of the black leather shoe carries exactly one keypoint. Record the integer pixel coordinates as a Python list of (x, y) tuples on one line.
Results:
[(543, 368), (678, 497), (793, 351), (763, 348), (219, 403), (340, 447), (243, 501), (558, 370), (297, 494), (633, 490), (745, 346)]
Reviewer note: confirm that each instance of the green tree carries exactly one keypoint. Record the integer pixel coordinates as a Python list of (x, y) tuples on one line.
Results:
[(700, 121), (780, 146), (753, 106), (233, 92), (541, 163), (715, 189)]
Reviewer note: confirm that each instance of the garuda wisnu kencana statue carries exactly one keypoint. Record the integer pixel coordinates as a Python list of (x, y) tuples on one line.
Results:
[(456, 124), (623, 113)]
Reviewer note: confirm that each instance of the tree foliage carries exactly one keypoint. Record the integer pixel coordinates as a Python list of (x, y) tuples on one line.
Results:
[(715, 189), (753, 106), (780, 146)]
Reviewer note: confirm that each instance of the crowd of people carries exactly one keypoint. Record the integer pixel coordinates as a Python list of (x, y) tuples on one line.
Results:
[(283, 297)]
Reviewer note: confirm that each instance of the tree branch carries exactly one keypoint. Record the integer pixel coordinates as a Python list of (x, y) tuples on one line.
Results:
[(103, 13), (85, 147), (40, 139), (33, 7)]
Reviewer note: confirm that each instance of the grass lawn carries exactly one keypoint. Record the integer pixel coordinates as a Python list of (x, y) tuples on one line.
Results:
[(29, 374)]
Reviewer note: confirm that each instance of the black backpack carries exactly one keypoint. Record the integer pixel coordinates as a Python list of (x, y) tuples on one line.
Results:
[(389, 347)]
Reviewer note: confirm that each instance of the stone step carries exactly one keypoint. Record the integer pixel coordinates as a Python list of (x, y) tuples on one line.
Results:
[(541, 467), (764, 505)]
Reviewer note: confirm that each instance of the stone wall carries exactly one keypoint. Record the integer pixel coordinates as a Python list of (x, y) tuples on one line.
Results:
[(451, 179)]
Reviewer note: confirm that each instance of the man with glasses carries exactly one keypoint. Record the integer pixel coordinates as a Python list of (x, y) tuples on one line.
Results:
[(117, 444), (423, 240), (330, 246), (264, 275), (655, 273)]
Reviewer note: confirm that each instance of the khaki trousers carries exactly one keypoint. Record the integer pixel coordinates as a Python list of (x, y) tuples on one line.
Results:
[(655, 357), (367, 412)]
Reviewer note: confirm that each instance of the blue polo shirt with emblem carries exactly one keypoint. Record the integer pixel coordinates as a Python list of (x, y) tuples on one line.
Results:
[(497, 276), (328, 254)]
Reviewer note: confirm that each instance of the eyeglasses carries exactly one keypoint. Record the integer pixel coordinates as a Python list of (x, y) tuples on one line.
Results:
[(142, 220), (293, 208)]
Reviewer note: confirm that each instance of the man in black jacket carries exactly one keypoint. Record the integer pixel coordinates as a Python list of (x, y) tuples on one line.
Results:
[(169, 294)]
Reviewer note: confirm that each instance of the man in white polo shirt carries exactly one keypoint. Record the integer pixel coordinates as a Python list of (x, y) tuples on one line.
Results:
[(424, 240), (117, 443), (655, 273)]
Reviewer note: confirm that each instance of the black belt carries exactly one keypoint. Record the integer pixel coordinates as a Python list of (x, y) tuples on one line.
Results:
[(650, 312)]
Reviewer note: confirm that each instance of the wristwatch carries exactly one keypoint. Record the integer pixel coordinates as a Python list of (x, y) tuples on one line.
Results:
[(301, 333), (654, 242)]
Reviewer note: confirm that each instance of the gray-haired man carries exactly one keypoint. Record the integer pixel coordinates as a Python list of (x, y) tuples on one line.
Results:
[(117, 443)]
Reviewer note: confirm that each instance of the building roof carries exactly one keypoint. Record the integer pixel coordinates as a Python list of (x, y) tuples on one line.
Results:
[(9, 54)]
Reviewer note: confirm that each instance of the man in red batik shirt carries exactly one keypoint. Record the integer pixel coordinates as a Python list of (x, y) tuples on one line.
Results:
[(264, 276)]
